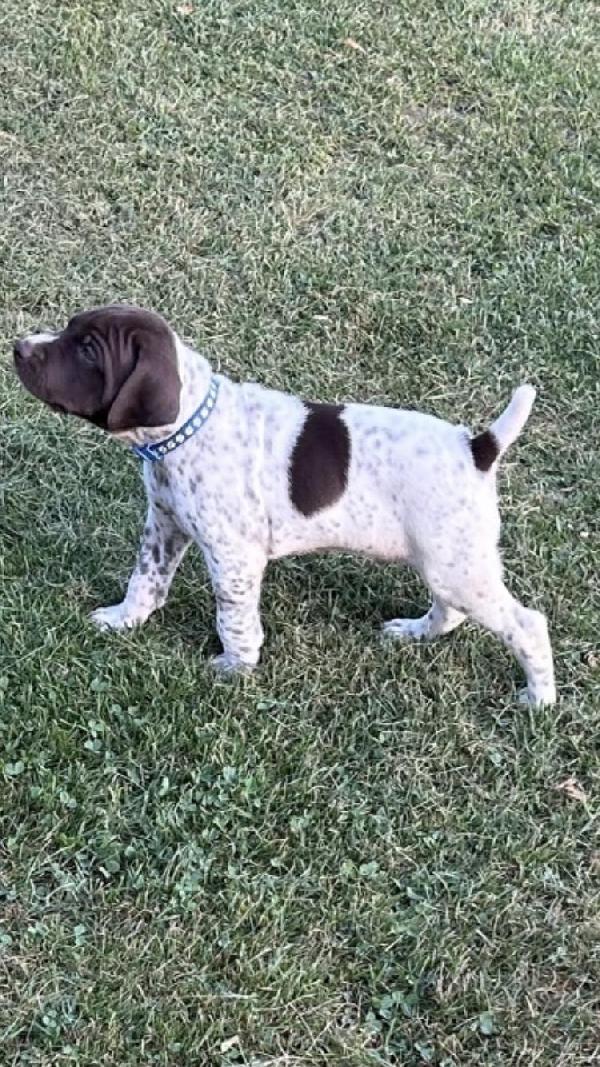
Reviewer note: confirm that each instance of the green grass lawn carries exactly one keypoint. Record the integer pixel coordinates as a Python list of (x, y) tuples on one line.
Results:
[(364, 854)]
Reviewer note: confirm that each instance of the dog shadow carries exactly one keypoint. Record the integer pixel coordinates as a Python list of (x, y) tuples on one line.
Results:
[(312, 591)]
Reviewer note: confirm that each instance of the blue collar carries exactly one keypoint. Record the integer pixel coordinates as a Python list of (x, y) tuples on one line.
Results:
[(160, 449)]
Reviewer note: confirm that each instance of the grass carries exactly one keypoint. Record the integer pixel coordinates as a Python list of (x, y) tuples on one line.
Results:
[(362, 855)]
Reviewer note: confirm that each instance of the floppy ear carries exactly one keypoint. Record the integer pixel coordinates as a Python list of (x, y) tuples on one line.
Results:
[(149, 396)]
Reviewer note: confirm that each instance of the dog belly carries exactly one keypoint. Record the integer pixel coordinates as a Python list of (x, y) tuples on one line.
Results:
[(376, 535)]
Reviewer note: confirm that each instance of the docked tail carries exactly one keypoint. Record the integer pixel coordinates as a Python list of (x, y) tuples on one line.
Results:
[(488, 446)]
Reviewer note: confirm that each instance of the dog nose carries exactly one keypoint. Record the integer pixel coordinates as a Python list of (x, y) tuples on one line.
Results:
[(22, 349)]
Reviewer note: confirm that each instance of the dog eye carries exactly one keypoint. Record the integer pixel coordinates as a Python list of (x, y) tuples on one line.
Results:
[(87, 351)]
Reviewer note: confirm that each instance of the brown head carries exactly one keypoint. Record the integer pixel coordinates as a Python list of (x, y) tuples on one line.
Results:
[(115, 366)]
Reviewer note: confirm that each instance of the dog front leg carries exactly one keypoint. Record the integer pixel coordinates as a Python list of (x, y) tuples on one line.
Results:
[(161, 551), (237, 586)]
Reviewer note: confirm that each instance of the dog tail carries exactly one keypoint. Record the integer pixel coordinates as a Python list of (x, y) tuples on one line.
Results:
[(487, 447)]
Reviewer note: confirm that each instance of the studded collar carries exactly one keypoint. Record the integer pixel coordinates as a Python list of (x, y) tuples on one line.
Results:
[(159, 449)]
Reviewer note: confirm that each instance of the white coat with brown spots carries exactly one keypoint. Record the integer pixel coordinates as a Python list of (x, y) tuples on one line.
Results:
[(268, 475)]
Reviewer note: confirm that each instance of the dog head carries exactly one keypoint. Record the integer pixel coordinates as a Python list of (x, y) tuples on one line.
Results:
[(115, 366)]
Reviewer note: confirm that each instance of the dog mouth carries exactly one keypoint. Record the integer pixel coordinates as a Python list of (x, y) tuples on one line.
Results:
[(27, 370), (29, 364)]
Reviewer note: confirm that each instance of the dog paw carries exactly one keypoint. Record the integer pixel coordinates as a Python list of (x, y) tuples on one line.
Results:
[(229, 666), (540, 698), (406, 629), (113, 618)]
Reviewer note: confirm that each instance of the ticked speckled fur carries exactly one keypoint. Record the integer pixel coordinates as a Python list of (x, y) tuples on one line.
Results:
[(411, 492)]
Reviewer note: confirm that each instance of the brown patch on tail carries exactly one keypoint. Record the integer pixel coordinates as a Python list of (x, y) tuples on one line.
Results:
[(485, 449)]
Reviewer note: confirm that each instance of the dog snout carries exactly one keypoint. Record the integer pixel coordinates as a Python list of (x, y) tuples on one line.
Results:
[(22, 350)]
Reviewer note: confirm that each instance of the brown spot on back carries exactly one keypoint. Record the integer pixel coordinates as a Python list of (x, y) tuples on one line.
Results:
[(320, 459), (485, 450)]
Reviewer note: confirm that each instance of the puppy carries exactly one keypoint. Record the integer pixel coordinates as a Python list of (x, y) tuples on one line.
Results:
[(251, 474)]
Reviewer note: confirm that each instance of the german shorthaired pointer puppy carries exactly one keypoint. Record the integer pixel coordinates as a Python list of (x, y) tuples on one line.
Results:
[(251, 474)]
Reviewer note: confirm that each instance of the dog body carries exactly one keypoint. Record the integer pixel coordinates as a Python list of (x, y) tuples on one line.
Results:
[(268, 475)]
